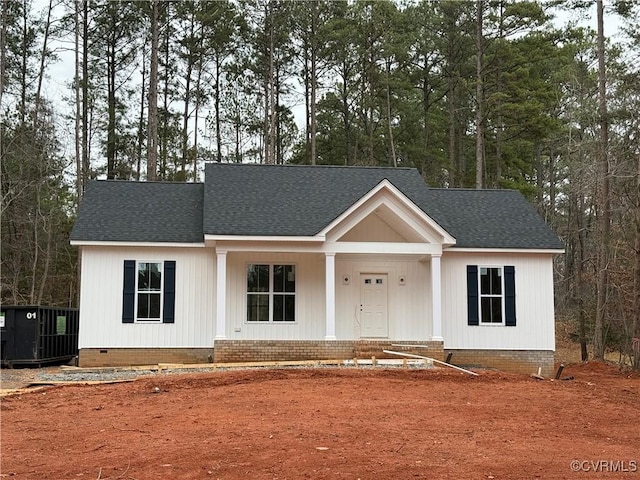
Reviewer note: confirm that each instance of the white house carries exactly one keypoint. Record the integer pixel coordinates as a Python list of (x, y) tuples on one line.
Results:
[(265, 262)]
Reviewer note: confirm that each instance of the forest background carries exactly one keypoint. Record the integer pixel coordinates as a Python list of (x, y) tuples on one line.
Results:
[(479, 94)]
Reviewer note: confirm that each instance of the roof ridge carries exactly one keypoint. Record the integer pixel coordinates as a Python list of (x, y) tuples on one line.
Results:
[(138, 182), (471, 189), (294, 165)]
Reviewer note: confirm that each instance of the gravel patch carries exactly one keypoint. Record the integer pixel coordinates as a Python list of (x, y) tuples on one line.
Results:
[(11, 378)]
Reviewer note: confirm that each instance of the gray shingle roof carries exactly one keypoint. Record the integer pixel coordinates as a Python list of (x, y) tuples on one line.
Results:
[(288, 200), (270, 200), (488, 218), (120, 211), (300, 200)]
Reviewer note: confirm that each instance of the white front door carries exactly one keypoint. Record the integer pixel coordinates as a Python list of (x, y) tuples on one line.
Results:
[(373, 306)]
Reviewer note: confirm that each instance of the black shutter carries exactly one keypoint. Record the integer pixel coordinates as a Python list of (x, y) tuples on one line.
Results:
[(129, 291), (510, 296), (472, 295), (169, 306)]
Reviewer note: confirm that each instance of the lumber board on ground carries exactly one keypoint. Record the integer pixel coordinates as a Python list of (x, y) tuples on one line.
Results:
[(432, 359)]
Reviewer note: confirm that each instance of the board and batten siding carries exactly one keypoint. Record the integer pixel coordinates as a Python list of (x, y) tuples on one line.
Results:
[(409, 307), (310, 298), (534, 328), (101, 299)]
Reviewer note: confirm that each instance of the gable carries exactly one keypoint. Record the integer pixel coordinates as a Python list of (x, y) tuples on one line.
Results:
[(373, 229), (383, 214)]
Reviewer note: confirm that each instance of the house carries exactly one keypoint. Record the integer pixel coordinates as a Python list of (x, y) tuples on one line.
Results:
[(266, 262)]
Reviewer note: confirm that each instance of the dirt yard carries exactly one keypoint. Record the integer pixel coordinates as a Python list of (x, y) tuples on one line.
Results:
[(329, 424)]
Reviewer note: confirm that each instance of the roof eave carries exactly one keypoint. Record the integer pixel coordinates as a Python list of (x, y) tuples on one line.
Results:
[(120, 243), (536, 250), (263, 238)]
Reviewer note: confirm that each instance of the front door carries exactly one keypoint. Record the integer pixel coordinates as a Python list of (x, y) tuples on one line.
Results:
[(373, 305)]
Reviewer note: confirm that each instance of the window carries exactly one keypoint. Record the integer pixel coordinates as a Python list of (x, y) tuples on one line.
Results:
[(149, 291), (271, 293), (491, 295)]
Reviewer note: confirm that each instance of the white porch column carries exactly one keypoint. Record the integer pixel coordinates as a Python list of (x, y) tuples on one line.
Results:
[(436, 298), (330, 296), (221, 294)]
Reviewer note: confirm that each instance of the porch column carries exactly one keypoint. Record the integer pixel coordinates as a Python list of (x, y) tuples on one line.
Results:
[(330, 296), (221, 293), (436, 299)]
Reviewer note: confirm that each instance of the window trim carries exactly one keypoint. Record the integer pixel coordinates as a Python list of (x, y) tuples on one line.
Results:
[(270, 293), (137, 292), (502, 297)]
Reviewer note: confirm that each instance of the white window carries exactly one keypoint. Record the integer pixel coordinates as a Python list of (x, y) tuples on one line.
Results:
[(271, 293), (149, 291), (491, 295)]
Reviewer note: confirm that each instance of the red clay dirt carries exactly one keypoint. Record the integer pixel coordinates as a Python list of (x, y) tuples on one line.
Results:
[(329, 424)]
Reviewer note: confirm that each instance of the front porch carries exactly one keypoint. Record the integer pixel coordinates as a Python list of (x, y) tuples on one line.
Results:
[(228, 351)]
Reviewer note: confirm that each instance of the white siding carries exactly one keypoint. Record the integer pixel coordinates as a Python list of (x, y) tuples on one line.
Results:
[(534, 303), (101, 299), (409, 304), (310, 298)]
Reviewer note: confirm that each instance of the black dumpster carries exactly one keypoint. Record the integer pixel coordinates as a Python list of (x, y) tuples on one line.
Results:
[(34, 335)]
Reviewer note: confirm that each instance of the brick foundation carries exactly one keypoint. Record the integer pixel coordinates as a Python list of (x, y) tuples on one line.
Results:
[(226, 351), (516, 361), (118, 357)]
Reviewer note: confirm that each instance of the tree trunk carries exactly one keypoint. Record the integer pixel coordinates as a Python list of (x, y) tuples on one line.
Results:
[(76, 89), (195, 122), (43, 56), (217, 107), (430, 167), (345, 117), (453, 164), (314, 79), (47, 262), (36, 248), (479, 97), (500, 121), (185, 121), (111, 110), (392, 148), (187, 102), (552, 184), (163, 136), (306, 78), (636, 281), (23, 66), (152, 141), (539, 179), (86, 158), (141, 116), (604, 202), (3, 52), (272, 90)]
